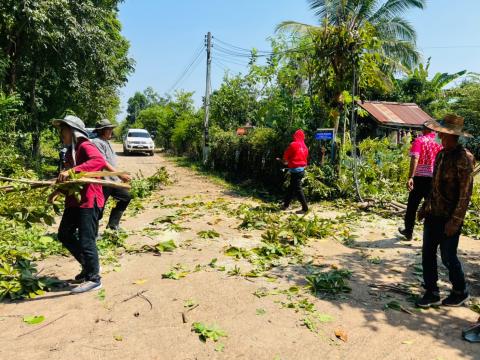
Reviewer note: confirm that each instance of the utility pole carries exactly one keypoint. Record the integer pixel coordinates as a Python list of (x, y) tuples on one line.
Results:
[(207, 99)]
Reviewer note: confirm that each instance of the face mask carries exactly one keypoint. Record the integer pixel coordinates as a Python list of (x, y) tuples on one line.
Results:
[(437, 139)]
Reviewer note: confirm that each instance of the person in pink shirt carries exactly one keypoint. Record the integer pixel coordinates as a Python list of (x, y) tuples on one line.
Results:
[(423, 152), (79, 224)]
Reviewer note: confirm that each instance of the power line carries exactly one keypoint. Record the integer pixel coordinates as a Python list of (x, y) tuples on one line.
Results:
[(191, 71), (451, 47), (191, 65), (219, 66), (226, 66), (227, 57), (232, 52), (240, 48), (231, 61), (242, 52)]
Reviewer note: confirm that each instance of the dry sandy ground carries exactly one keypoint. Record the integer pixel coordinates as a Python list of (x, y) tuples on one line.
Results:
[(87, 327)]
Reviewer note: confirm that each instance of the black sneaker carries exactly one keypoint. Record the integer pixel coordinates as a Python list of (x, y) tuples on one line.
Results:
[(79, 278), (408, 236), (456, 299), (429, 299), (82, 276), (302, 212)]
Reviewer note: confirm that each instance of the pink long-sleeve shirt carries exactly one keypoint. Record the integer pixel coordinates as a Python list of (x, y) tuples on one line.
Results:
[(88, 158), (425, 149)]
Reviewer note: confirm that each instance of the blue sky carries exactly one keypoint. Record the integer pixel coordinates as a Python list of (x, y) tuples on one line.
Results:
[(164, 35)]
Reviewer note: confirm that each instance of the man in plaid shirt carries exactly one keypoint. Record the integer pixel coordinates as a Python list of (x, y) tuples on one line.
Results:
[(444, 212)]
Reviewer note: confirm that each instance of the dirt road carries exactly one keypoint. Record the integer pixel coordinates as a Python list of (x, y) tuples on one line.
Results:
[(117, 324)]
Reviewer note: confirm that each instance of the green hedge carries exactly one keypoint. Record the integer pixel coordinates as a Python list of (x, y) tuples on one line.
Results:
[(251, 156)]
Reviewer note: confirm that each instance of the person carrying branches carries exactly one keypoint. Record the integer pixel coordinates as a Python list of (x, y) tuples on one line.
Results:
[(422, 160), (444, 212), (79, 224), (296, 158), (104, 129)]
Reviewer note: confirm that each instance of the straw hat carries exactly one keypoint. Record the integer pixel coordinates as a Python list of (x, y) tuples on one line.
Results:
[(451, 124)]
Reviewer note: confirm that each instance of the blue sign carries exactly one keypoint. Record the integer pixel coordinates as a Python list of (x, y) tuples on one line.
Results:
[(324, 134)]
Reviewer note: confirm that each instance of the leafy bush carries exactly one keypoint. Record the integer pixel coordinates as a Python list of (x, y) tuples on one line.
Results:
[(187, 136), (248, 157)]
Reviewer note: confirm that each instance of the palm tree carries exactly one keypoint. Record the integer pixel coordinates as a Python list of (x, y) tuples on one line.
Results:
[(397, 35)]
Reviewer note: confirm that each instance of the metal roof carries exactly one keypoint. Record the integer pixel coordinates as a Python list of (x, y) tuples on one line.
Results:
[(406, 115)]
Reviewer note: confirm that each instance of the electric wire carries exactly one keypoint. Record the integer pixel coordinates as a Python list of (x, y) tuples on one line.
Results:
[(239, 48), (230, 61), (189, 73), (220, 67), (239, 51), (223, 65), (231, 57), (192, 64), (451, 47)]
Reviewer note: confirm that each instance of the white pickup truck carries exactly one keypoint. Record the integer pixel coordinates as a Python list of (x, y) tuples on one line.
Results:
[(138, 141)]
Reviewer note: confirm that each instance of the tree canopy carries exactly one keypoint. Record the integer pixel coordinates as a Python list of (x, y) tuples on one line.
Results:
[(62, 55)]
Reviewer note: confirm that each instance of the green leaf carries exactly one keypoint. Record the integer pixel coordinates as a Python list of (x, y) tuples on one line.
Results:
[(189, 303), (206, 332), (213, 263), (33, 320), (220, 347), (394, 305), (208, 234), (324, 318), (166, 246), (101, 295), (261, 312)]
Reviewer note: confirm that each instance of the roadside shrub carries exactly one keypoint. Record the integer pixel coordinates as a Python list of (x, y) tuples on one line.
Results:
[(187, 136), (248, 157)]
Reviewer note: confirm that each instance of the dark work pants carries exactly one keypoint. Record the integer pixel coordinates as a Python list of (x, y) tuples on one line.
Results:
[(421, 189), (433, 237), (295, 190), (123, 198), (77, 233)]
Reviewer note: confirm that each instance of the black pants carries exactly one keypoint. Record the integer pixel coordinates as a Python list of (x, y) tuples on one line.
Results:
[(433, 237), (421, 189), (295, 190), (123, 198), (77, 233)]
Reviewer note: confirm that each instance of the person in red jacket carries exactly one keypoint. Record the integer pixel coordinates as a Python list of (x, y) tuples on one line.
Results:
[(295, 157), (79, 224)]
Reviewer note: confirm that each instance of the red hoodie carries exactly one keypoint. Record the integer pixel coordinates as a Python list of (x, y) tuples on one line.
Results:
[(297, 153), (88, 158)]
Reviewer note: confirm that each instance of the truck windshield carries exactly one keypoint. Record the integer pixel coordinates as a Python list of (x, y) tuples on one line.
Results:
[(139, 134)]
